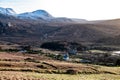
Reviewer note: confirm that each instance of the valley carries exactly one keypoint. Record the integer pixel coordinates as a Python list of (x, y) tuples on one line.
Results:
[(37, 46)]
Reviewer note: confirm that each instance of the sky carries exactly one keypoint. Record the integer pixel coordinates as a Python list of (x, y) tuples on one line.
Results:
[(82, 9)]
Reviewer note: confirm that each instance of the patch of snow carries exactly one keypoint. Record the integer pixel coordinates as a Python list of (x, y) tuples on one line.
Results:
[(7, 11), (38, 14)]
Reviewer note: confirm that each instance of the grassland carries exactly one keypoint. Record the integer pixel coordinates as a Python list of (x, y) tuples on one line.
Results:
[(24, 66), (78, 77), (40, 76)]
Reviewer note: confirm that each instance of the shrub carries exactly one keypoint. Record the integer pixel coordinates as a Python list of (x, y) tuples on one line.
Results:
[(56, 46), (31, 60), (117, 62), (72, 71), (28, 47), (41, 66), (59, 57)]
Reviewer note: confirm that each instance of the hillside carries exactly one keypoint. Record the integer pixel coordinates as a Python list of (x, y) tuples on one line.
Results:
[(36, 31), (16, 30)]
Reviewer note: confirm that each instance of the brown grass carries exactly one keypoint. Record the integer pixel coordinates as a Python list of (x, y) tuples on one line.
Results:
[(35, 63), (8, 75)]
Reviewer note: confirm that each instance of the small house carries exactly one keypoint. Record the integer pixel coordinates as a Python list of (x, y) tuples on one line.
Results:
[(66, 57)]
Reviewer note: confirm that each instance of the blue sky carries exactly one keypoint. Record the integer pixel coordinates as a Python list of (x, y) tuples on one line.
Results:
[(85, 9)]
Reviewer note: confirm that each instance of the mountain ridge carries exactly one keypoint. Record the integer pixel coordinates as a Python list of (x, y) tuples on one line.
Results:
[(35, 15), (41, 15)]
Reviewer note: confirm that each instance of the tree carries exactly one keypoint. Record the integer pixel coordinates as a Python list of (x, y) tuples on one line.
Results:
[(117, 62), (28, 47)]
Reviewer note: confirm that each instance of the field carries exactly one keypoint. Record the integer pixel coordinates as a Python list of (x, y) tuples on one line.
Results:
[(25, 66), (39, 76)]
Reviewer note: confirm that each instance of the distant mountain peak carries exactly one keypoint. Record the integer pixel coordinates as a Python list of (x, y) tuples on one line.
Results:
[(38, 14), (40, 11), (7, 11)]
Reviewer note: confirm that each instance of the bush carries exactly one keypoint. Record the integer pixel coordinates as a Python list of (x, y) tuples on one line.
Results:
[(41, 66), (31, 60), (28, 47), (72, 71), (117, 62), (59, 57), (55, 46)]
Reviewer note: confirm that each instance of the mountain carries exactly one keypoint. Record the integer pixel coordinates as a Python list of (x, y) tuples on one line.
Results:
[(67, 20), (38, 14), (39, 26), (113, 40), (7, 11), (34, 32), (44, 15)]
